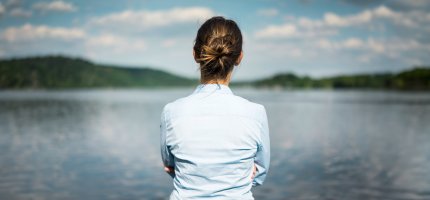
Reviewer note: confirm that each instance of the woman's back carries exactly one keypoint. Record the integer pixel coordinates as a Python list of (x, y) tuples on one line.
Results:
[(215, 144), (214, 137)]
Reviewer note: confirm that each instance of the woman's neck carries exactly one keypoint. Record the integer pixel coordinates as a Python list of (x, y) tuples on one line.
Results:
[(225, 81)]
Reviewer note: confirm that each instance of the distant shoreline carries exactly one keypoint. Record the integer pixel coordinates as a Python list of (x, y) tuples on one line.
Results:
[(61, 72)]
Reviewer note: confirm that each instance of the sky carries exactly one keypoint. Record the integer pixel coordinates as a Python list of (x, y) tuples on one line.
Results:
[(307, 37)]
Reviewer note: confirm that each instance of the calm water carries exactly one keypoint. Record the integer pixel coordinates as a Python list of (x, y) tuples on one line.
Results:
[(104, 144)]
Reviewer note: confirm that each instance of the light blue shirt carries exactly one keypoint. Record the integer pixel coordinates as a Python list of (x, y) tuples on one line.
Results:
[(212, 138)]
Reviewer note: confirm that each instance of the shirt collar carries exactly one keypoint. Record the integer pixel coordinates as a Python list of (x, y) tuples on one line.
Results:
[(213, 87)]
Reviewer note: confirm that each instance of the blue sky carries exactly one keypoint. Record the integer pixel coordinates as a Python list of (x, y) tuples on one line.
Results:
[(307, 37)]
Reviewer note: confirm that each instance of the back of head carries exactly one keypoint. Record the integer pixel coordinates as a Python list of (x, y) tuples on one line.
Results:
[(217, 47)]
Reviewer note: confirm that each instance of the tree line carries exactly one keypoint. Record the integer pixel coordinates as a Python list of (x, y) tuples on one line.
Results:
[(60, 72)]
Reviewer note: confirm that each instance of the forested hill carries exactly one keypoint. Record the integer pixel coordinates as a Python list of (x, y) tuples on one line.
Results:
[(64, 72), (58, 72), (414, 79)]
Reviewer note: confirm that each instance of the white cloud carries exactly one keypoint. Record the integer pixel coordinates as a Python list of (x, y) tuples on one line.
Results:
[(366, 16), (270, 12), (13, 8), (387, 46), (376, 46), (286, 30), (114, 49), (105, 41), (352, 51), (293, 30), (353, 43), (169, 42), (404, 19), (127, 36), (369, 45), (331, 23), (145, 19), (383, 11), (325, 44), (13, 3), (136, 37), (115, 43), (332, 19), (28, 32), (19, 12), (325, 56), (58, 5), (2, 9)]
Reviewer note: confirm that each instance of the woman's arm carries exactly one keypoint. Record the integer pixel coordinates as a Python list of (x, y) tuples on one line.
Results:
[(166, 155), (262, 158)]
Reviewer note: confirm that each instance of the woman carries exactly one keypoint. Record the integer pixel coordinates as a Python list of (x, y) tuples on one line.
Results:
[(215, 144)]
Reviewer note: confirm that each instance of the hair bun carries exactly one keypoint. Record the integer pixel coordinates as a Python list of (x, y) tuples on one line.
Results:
[(217, 47)]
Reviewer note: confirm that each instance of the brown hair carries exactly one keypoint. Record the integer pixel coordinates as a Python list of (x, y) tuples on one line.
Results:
[(217, 47)]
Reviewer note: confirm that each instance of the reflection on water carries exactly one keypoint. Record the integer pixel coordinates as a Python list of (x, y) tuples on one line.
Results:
[(104, 144)]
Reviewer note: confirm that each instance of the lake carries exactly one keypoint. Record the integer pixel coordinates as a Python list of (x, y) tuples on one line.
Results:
[(104, 144)]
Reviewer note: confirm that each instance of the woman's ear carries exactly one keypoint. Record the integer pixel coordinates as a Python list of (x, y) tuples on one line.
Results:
[(194, 55), (239, 59)]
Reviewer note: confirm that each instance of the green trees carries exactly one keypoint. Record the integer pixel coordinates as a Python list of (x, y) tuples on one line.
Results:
[(415, 79), (63, 72), (57, 72), (418, 79)]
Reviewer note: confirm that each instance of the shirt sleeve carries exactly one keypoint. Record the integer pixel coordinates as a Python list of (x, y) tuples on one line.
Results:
[(262, 158), (166, 155)]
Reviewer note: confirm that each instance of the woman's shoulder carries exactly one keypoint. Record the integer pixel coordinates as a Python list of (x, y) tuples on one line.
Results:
[(250, 103), (177, 103), (227, 104), (250, 108), (258, 110)]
